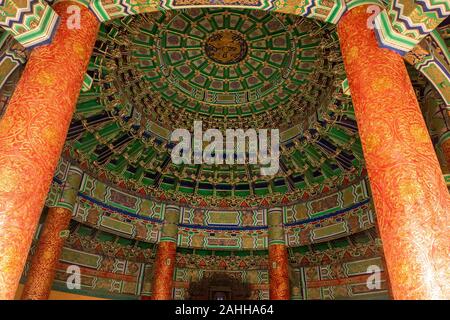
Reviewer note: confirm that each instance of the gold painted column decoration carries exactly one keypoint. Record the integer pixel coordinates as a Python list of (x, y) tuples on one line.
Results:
[(32, 133), (410, 196), (43, 264), (278, 256), (164, 268)]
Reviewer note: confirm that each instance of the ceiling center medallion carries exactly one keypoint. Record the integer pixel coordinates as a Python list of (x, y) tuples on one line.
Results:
[(226, 47)]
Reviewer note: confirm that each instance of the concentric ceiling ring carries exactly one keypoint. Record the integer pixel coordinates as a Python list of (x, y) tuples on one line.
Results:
[(268, 62), (121, 129)]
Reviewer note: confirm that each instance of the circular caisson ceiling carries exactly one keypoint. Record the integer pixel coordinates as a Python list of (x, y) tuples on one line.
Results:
[(231, 69), (283, 66), (225, 63)]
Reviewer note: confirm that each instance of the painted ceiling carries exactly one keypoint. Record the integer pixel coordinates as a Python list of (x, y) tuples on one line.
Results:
[(115, 267), (230, 68), (90, 240)]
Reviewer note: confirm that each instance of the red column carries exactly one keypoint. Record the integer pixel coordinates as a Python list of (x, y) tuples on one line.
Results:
[(32, 134), (279, 288), (164, 268), (43, 264), (410, 196), (278, 273), (163, 272)]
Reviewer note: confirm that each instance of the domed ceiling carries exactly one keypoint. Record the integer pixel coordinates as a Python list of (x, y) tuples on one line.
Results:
[(231, 69)]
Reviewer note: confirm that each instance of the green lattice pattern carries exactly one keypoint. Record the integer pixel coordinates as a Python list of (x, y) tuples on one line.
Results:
[(272, 73), (121, 128)]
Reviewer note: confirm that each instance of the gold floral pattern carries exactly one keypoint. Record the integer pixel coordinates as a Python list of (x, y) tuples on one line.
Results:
[(45, 259), (32, 134), (410, 196), (278, 272), (163, 272)]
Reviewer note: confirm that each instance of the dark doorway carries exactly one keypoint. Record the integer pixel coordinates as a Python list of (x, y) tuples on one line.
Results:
[(219, 286)]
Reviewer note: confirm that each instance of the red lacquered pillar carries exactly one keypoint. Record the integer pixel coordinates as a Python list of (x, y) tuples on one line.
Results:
[(32, 134), (162, 284), (278, 257), (44, 261), (410, 196)]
